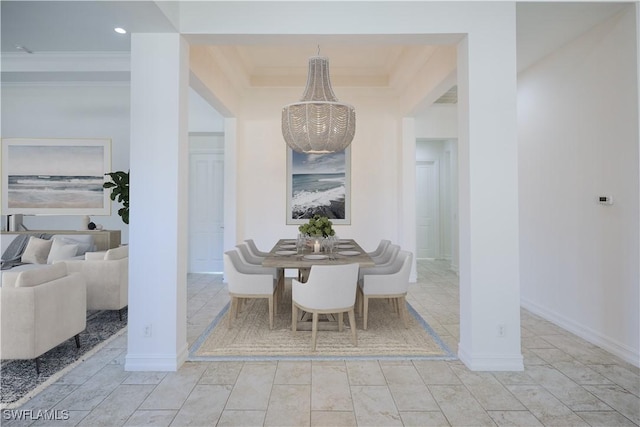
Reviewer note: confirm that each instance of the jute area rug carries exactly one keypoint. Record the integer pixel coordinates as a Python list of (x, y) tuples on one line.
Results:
[(250, 338)]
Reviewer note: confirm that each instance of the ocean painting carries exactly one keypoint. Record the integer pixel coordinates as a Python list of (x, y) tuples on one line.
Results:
[(318, 185), (45, 191), (50, 178)]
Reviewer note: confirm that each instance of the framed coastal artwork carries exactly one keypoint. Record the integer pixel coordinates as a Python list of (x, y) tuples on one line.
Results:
[(319, 184), (55, 176)]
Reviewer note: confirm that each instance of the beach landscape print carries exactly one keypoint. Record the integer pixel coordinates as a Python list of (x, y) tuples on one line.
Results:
[(318, 184), (55, 176)]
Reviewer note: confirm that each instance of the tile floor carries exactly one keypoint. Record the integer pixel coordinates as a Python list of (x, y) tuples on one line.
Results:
[(567, 381)]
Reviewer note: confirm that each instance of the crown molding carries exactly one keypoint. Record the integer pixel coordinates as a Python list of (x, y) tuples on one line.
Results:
[(65, 62), (74, 83)]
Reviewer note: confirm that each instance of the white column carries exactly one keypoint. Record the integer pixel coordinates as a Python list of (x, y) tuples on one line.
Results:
[(230, 183), (407, 191), (157, 338), (488, 199)]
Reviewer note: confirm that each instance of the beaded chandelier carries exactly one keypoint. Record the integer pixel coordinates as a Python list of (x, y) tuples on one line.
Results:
[(318, 124)]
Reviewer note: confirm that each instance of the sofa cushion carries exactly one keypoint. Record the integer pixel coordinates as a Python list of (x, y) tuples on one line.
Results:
[(117, 253), (85, 242), (37, 251), (41, 275), (61, 250)]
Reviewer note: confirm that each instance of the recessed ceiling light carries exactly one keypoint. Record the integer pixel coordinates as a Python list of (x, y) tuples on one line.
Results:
[(23, 48), (120, 30)]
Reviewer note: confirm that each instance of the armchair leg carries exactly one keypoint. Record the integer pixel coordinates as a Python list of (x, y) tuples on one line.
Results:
[(120, 314), (77, 337), (271, 312), (38, 365)]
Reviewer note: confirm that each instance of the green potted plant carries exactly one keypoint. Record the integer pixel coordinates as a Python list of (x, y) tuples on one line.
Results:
[(318, 226), (119, 186)]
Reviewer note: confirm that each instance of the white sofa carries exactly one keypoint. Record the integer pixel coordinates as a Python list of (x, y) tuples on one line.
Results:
[(107, 277), (82, 242), (40, 309)]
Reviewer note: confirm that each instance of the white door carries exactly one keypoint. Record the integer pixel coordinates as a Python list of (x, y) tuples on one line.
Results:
[(206, 226), (427, 205)]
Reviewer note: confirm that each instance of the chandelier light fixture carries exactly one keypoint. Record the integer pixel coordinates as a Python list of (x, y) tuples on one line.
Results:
[(319, 123)]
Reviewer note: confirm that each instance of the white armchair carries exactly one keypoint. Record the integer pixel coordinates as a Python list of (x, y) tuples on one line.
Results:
[(392, 284), (107, 277), (330, 289), (246, 281), (41, 309)]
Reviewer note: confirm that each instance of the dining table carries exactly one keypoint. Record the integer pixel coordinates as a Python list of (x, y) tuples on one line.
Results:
[(286, 254)]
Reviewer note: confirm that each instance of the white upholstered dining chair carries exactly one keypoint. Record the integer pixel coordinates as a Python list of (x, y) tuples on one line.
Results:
[(330, 289), (379, 250), (247, 281), (248, 255), (384, 263), (254, 249), (391, 283), (256, 261)]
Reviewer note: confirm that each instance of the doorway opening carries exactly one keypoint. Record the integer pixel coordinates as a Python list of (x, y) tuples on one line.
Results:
[(206, 202), (437, 200)]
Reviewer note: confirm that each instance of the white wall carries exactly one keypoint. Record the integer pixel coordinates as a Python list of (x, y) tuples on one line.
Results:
[(578, 137), (83, 110), (261, 174), (438, 121), (202, 116), (71, 111)]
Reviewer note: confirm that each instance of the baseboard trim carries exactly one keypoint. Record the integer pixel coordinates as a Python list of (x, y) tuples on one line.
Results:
[(612, 346), (156, 362), (491, 362)]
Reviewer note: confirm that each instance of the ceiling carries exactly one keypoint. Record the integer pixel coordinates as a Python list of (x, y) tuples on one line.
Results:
[(87, 26)]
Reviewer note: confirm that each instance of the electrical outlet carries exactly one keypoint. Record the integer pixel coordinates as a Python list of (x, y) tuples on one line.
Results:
[(502, 330), (147, 331)]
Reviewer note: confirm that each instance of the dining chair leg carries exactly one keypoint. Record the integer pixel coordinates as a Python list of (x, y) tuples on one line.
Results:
[(276, 301), (340, 322), (404, 311), (314, 331), (232, 308), (352, 325), (271, 309), (366, 311), (360, 300), (294, 317)]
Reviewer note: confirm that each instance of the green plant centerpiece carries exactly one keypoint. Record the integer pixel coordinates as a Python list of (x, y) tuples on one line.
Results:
[(318, 226), (119, 186)]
